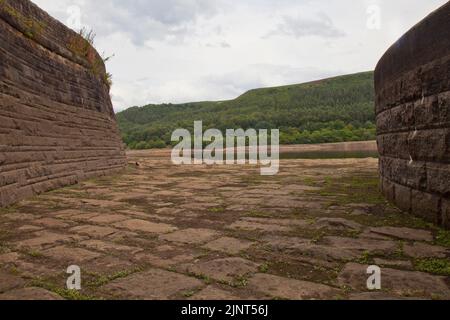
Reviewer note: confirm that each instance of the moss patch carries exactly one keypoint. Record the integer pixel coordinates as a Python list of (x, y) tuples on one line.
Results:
[(443, 238), (436, 266), (351, 189), (63, 292)]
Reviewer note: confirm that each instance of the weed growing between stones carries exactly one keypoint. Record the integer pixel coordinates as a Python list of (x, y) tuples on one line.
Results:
[(366, 258), (3, 248), (258, 214), (434, 265), (35, 254), (352, 189), (64, 293), (207, 280), (443, 238), (8, 210), (239, 282), (264, 268), (216, 210), (100, 280)]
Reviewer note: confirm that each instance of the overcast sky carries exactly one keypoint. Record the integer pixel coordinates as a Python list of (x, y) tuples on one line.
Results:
[(194, 50)]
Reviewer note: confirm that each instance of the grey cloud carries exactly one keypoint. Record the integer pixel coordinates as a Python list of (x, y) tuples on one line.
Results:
[(214, 87), (254, 76), (143, 20), (223, 45), (298, 27)]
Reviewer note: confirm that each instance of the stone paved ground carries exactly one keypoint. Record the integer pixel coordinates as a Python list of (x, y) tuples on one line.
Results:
[(160, 231)]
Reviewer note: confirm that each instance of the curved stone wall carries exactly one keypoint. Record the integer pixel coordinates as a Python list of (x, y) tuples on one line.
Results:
[(412, 83), (57, 124)]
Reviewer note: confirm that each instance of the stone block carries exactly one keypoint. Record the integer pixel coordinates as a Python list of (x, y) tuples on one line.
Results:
[(425, 205), (403, 197)]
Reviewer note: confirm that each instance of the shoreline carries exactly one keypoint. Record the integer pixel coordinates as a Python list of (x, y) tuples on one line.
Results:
[(325, 147)]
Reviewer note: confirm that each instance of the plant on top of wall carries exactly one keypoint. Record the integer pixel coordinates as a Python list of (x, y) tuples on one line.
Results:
[(30, 27), (83, 46)]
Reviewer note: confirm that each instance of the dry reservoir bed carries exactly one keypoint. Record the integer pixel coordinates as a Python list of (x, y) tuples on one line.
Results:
[(160, 231)]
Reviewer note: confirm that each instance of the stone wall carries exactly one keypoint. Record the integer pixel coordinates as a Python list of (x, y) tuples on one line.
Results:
[(412, 83), (57, 124)]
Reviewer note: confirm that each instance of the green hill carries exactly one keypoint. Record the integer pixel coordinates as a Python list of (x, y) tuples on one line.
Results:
[(330, 110)]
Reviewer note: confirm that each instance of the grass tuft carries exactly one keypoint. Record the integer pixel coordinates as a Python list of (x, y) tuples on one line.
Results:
[(433, 265), (443, 238)]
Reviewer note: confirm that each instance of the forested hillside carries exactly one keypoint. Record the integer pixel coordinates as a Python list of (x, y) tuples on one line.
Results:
[(331, 110)]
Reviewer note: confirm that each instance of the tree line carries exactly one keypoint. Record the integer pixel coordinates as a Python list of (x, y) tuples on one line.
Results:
[(331, 110)]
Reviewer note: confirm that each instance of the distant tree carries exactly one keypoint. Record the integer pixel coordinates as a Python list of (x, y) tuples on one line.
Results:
[(331, 110)]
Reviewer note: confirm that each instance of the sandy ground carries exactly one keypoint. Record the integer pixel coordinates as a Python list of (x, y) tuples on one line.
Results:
[(159, 231)]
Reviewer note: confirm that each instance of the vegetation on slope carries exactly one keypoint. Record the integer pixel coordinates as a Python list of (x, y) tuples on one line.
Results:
[(331, 110)]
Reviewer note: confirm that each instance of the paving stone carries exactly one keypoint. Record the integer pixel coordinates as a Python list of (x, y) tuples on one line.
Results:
[(404, 233), (154, 284), (46, 238), (71, 255), (94, 231), (369, 296), (315, 252), (361, 245), (404, 264), (361, 206), (108, 218), (9, 257), (423, 250), (197, 206), (102, 203), (291, 202), (308, 249), (29, 228), (337, 224), (229, 245), (397, 282), (284, 242), (51, 223), (239, 208), (191, 236), (331, 248), (109, 247), (160, 218), (285, 288), (279, 222), (122, 236), (145, 226), (367, 234), (32, 270), (251, 226), (164, 248), (295, 187), (20, 216), (107, 265), (170, 211), (227, 269), (164, 262), (214, 293), (9, 281), (30, 294), (358, 212), (254, 201), (82, 217)]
